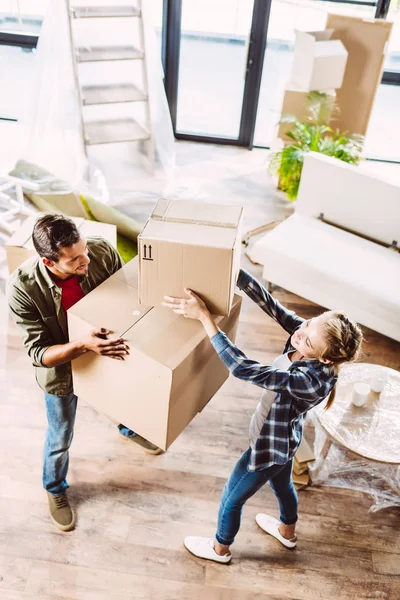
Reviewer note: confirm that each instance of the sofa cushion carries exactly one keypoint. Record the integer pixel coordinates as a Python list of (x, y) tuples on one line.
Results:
[(334, 268), (350, 197)]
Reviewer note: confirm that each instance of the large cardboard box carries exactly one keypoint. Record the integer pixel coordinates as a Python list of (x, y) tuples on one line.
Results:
[(190, 245), (295, 102), (20, 246), (172, 370), (319, 62), (366, 41)]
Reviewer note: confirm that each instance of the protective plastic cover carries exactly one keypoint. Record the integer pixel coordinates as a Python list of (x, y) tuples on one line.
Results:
[(358, 448)]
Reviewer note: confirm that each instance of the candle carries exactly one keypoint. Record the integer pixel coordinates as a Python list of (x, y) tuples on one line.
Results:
[(360, 394), (378, 381)]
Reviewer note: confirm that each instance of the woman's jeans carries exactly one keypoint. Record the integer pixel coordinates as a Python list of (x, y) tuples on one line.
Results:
[(243, 484), (61, 412)]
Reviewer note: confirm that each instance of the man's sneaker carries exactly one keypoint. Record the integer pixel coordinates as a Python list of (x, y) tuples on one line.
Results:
[(128, 434), (61, 511)]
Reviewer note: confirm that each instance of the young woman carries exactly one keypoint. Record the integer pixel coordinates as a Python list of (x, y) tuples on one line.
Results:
[(302, 377)]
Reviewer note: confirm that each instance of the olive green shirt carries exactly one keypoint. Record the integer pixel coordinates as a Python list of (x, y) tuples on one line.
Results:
[(35, 303)]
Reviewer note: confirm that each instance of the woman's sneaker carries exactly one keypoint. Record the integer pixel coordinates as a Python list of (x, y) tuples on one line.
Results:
[(204, 548), (61, 511)]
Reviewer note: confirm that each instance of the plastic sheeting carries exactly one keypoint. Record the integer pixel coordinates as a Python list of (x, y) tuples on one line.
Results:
[(342, 469), (358, 448), (158, 104), (52, 121)]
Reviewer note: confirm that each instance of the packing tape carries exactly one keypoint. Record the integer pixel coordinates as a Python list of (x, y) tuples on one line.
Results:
[(160, 213), (196, 222)]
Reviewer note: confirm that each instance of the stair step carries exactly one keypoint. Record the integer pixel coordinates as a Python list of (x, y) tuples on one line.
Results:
[(88, 12), (108, 94), (114, 130), (101, 53)]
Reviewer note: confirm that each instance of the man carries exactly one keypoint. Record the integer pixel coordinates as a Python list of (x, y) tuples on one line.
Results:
[(39, 294)]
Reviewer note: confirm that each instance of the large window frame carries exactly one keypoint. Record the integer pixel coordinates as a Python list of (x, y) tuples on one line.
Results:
[(171, 37), (171, 48)]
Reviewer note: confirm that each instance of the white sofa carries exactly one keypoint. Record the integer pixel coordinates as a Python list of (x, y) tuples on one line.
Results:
[(331, 266)]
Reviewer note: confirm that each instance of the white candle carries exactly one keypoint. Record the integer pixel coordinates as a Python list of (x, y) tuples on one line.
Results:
[(360, 394), (378, 381)]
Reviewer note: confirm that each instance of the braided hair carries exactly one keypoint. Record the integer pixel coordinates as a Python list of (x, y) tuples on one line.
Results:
[(343, 342)]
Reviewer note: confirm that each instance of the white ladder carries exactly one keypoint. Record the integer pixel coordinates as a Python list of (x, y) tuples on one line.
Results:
[(125, 128)]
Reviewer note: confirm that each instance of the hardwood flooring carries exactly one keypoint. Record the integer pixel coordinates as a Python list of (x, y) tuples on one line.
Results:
[(134, 509)]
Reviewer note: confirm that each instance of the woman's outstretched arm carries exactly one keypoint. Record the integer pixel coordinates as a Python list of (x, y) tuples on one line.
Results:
[(260, 295)]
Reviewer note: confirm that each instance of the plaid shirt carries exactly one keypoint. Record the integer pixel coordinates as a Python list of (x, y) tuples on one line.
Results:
[(304, 385)]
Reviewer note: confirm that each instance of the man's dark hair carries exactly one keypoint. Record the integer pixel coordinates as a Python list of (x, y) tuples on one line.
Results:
[(51, 233)]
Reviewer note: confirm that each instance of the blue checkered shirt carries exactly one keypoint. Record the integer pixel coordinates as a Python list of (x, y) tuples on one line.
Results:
[(304, 385)]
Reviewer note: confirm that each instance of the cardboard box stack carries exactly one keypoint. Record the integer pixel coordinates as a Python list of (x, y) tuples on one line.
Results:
[(303, 456), (20, 246), (193, 245), (367, 42), (319, 64), (172, 370)]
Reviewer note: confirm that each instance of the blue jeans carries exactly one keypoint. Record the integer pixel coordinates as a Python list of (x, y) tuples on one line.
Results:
[(243, 484), (61, 419)]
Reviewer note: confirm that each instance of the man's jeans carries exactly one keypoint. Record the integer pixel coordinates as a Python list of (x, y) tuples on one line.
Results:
[(61, 419), (242, 484)]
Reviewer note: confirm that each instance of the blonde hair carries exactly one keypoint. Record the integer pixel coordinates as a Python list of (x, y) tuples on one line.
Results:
[(343, 339)]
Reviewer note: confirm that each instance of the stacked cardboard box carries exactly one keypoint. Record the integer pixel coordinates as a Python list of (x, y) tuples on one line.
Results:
[(172, 370), (190, 245), (352, 70), (319, 65), (303, 456)]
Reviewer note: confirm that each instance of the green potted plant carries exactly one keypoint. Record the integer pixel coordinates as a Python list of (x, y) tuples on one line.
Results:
[(312, 135)]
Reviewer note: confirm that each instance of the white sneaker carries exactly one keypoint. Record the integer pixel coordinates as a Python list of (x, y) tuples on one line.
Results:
[(204, 548), (271, 525)]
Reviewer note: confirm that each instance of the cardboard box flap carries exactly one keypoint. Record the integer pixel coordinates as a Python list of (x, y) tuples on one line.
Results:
[(115, 306), (335, 48), (196, 213), (188, 234), (321, 42), (129, 273), (321, 36), (23, 235), (96, 229), (167, 337)]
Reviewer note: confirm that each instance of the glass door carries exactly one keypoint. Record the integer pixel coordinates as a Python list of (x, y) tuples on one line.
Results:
[(214, 72)]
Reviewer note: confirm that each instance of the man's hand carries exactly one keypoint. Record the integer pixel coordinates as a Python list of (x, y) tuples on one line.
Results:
[(191, 308), (98, 342)]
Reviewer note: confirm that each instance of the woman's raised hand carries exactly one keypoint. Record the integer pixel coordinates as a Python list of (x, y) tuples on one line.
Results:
[(192, 307)]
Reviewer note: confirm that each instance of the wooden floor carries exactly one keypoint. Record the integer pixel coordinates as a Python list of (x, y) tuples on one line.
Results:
[(134, 509)]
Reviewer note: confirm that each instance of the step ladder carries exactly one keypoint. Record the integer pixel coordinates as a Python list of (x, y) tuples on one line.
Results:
[(114, 128)]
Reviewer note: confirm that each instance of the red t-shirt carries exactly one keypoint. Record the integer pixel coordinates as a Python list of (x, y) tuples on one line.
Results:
[(71, 291)]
